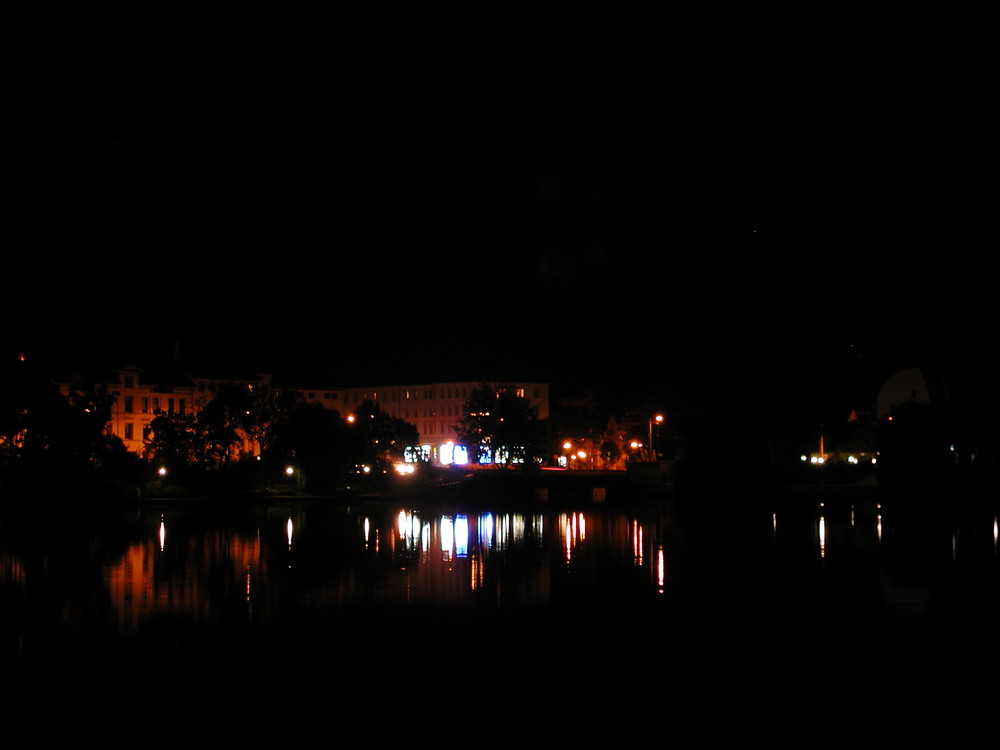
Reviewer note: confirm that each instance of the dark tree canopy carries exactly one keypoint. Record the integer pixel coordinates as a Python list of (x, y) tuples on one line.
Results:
[(502, 425)]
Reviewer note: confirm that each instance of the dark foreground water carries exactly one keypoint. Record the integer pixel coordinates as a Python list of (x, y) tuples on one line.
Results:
[(732, 617)]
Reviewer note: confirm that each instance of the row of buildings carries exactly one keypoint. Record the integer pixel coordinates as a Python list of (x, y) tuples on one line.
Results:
[(138, 394)]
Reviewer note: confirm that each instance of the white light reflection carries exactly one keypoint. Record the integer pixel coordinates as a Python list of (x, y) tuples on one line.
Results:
[(822, 536), (878, 521), (637, 545), (461, 535), (486, 530), (511, 530), (661, 568), (288, 528), (994, 535), (163, 533), (409, 530), (368, 529), (447, 534)]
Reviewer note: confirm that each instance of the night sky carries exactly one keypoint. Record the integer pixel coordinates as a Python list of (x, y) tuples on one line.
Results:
[(598, 245)]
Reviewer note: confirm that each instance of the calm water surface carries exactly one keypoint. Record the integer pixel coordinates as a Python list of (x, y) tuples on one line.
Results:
[(644, 606)]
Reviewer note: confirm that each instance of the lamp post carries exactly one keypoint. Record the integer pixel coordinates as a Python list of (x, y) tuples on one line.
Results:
[(658, 419)]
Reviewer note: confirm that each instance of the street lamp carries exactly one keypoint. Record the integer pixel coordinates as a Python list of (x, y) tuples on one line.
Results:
[(658, 419)]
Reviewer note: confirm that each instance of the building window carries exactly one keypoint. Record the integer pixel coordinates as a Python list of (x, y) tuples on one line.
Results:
[(145, 405), (156, 405), (129, 381), (180, 406), (129, 407), (128, 431)]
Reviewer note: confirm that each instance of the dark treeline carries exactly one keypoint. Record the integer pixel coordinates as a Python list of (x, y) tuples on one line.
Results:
[(51, 443)]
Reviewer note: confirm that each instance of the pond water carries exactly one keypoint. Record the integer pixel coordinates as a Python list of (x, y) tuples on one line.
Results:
[(647, 606)]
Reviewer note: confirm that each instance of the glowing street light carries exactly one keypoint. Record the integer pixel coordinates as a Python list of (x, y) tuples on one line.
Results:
[(658, 418), (569, 457)]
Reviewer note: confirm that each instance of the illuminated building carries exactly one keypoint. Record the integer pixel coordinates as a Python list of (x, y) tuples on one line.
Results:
[(139, 395), (434, 409)]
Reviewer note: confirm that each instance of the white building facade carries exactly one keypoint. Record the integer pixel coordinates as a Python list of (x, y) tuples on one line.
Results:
[(435, 409)]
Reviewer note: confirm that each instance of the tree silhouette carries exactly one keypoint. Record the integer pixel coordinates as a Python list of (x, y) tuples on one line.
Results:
[(503, 426), (313, 439), (381, 439), (49, 439)]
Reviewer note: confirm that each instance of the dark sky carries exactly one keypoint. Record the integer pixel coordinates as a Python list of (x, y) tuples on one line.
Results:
[(594, 244)]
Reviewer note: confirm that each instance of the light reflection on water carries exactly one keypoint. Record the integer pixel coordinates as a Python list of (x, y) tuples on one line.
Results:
[(191, 565), (835, 570)]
